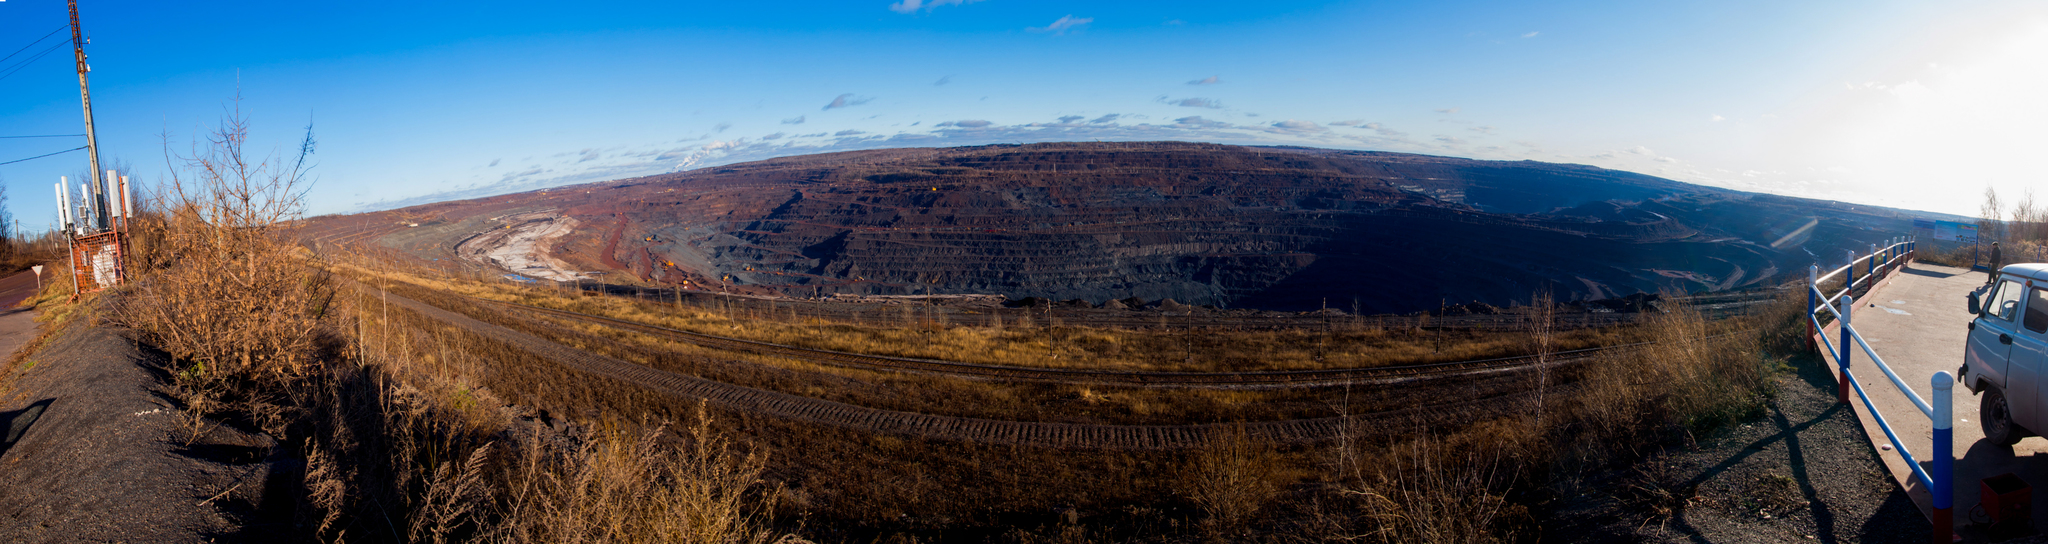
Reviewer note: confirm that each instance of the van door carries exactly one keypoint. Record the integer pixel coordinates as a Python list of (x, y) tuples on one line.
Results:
[(1990, 340), (2030, 350)]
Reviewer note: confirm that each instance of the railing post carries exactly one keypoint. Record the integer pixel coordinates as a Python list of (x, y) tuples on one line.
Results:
[(1943, 455), (1812, 303), (1873, 264), (1848, 303)]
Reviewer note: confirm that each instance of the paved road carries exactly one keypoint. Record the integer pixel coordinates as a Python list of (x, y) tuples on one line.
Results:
[(17, 325), (1917, 321)]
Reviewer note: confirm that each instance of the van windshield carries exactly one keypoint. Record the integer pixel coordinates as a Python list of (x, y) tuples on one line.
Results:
[(2006, 303)]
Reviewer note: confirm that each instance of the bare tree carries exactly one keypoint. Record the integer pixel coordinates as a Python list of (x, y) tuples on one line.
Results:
[(1990, 224), (2026, 224), (1541, 325)]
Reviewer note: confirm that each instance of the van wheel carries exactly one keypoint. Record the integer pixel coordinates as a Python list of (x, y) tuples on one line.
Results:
[(1996, 418)]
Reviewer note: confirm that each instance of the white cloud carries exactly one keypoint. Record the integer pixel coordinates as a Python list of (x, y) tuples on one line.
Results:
[(1065, 23), (971, 123), (1211, 80), (1718, 118), (1531, 34), (911, 6), (1448, 110), (1351, 123), (848, 132), (847, 100), (798, 120), (1644, 151), (1199, 122), (1292, 126), (1194, 103), (1109, 118)]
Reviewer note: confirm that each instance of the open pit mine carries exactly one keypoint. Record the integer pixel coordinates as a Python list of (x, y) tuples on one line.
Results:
[(1278, 228)]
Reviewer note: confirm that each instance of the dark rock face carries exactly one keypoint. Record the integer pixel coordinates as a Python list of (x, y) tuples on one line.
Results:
[(1274, 228)]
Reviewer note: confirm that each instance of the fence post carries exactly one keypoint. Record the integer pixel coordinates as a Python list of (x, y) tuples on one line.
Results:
[(1943, 455), (1812, 303), (1873, 263), (1848, 303)]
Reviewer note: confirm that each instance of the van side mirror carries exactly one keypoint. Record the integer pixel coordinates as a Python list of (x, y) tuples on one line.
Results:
[(1976, 306)]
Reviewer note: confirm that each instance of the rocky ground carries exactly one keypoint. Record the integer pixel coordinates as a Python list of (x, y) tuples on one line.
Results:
[(1805, 472)]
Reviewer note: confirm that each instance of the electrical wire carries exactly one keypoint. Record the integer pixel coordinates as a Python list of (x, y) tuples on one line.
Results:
[(43, 155), (4, 73), (33, 43)]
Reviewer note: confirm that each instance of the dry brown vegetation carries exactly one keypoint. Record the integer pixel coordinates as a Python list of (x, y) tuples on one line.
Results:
[(414, 430), (399, 442), (1382, 483), (1032, 342)]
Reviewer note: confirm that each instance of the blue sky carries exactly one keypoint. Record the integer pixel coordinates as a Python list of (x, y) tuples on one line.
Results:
[(1906, 104)]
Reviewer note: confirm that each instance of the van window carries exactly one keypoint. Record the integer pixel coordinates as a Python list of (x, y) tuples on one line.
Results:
[(2006, 304), (2037, 311)]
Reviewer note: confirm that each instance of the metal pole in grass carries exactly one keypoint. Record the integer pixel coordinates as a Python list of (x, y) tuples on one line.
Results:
[(1944, 454), (1812, 303), (1848, 303)]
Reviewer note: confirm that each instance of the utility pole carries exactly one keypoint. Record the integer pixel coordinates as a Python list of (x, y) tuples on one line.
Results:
[(92, 148)]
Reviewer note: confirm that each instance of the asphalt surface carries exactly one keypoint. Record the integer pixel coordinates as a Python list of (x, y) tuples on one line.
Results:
[(17, 325), (94, 453), (1917, 321)]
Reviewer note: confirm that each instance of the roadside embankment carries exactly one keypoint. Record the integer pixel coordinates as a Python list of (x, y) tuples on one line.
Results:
[(93, 452)]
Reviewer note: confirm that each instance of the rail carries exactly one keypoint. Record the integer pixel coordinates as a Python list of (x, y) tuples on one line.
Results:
[(1240, 379), (1941, 453)]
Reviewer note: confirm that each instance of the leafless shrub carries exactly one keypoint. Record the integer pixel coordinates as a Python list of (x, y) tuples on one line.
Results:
[(619, 487), (1431, 491), (231, 303), (1231, 479)]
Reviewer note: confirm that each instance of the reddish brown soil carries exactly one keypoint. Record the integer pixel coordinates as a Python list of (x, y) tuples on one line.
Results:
[(1275, 228)]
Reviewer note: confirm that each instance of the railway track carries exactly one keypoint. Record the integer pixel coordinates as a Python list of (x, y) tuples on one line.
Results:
[(987, 431), (1258, 379)]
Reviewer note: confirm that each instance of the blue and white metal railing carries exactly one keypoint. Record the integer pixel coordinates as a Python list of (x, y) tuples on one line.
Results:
[(1941, 455)]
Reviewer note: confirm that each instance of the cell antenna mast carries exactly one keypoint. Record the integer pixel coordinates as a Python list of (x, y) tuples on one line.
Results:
[(92, 148)]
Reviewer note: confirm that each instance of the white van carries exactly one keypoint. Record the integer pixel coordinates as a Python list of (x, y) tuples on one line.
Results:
[(2007, 355)]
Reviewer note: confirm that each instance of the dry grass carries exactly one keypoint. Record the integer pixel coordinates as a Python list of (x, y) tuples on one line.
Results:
[(1456, 482), (1031, 341), (619, 487), (402, 441), (416, 431)]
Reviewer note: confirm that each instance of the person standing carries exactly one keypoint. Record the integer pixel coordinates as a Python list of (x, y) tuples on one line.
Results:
[(1997, 260)]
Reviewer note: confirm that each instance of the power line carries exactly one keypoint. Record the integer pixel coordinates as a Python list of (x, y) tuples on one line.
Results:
[(27, 61), (45, 136), (32, 44), (43, 155)]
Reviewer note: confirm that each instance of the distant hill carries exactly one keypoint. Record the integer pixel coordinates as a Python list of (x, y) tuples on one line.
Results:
[(1266, 227)]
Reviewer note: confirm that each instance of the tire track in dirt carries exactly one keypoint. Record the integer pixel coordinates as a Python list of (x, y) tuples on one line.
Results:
[(1222, 380), (987, 431)]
